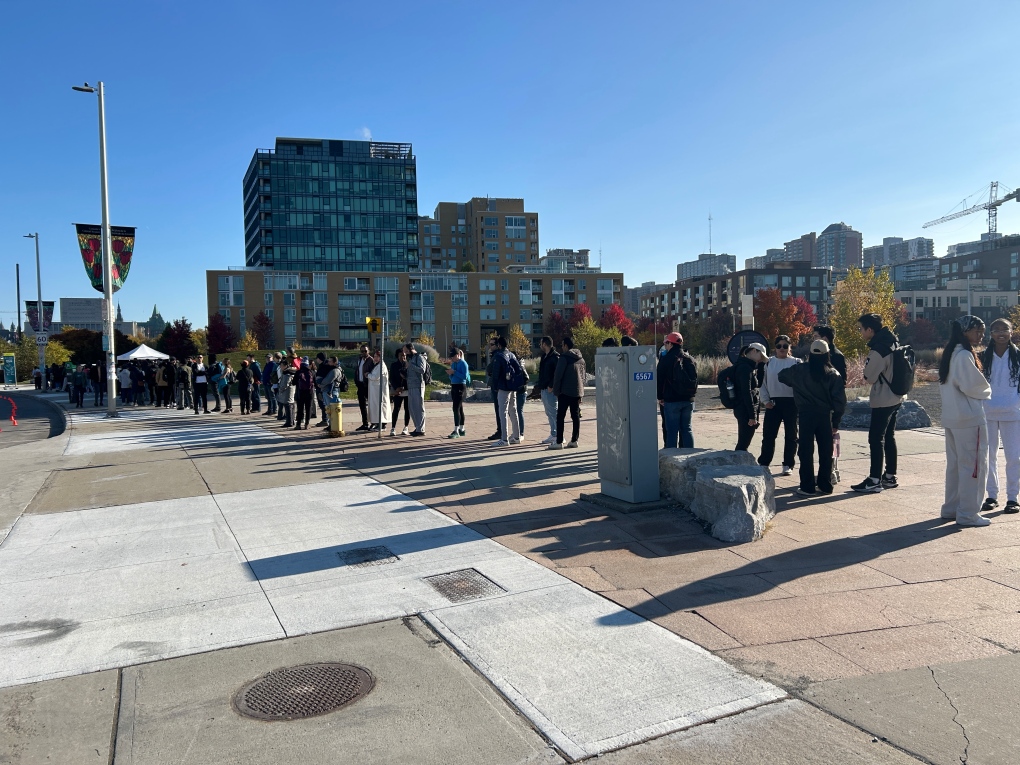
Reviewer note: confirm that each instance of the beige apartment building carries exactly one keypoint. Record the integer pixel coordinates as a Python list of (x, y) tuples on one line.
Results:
[(328, 309), (491, 234)]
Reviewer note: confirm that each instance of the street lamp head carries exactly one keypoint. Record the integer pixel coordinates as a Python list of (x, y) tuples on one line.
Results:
[(83, 89), (29, 236)]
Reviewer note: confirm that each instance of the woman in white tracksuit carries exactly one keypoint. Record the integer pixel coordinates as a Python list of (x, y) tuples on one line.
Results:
[(1001, 365), (963, 388)]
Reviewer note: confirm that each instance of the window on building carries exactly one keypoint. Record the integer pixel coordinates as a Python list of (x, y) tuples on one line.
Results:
[(487, 285), (491, 221), (289, 298), (487, 314), (487, 298)]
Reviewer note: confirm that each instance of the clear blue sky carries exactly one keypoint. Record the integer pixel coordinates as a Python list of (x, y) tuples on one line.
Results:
[(622, 124)]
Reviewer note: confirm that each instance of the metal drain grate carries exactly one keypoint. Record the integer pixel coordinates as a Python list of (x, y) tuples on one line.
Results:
[(308, 690), (363, 557), (466, 584)]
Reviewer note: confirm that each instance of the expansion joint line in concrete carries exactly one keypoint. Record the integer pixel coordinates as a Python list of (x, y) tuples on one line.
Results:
[(116, 718), (233, 536), (956, 716)]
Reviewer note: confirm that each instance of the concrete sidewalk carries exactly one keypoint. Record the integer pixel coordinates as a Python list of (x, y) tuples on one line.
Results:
[(826, 606)]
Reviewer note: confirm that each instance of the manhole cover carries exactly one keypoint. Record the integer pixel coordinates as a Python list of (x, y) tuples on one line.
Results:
[(466, 584), (362, 557), (309, 690)]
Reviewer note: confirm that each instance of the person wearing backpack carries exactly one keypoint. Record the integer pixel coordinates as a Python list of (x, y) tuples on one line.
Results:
[(676, 377), (780, 408), (964, 390), (509, 377), (821, 400), (885, 404), (746, 402), (227, 378), (1001, 364)]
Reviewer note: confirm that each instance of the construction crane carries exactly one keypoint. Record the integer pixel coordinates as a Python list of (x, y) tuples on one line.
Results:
[(992, 205)]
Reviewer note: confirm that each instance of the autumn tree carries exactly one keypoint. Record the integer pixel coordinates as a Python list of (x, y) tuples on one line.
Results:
[(425, 338), (649, 331), (589, 336), (201, 340), (614, 316), (396, 332), (176, 340), (248, 342), (517, 342), (262, 327), (581, 312), (859, 293), (775, 315), (220, 336), (556, 327), (806, 313)]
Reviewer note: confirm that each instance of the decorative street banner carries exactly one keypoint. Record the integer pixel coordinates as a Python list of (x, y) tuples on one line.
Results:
[(10, 370), (32, 309), (90, 243)]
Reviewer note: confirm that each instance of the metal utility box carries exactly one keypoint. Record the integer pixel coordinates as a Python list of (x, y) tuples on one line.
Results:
[(628, 428)]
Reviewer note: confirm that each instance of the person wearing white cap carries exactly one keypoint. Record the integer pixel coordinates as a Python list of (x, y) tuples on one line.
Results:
[(746, 383), (821, 400), (964, 388)]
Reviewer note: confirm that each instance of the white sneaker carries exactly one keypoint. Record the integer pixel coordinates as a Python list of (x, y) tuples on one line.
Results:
[(405, 432), (548, 440), (393, 431), (555, 446), (501, 442), (572, 445), (787, 470), (975, 520)]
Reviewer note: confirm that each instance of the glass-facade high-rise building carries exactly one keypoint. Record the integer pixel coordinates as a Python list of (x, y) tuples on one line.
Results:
[(327, 205)]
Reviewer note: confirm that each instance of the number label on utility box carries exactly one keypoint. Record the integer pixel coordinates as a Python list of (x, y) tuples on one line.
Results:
[(642, 376)]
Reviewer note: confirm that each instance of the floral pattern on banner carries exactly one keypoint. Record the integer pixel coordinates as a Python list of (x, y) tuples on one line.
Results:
[(90, 243)]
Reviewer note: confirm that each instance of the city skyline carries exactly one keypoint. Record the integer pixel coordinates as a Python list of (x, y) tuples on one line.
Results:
[(623, 135)]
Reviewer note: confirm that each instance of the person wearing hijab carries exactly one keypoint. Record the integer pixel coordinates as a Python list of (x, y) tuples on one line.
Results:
[(964, 388)]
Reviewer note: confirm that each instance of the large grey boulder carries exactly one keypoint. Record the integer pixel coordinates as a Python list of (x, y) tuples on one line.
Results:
[(737, 505), (910, 416), (678, 469)]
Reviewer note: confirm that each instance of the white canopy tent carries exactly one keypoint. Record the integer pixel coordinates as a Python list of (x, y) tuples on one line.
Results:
[(142, 353)]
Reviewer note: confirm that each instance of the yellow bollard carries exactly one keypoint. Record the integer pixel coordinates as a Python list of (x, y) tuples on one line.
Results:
[(336, 422)]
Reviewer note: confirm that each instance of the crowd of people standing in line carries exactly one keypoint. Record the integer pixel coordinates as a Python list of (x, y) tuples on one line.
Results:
[(980, 409)]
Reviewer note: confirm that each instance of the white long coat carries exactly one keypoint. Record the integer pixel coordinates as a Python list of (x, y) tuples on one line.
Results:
[(379, 372)]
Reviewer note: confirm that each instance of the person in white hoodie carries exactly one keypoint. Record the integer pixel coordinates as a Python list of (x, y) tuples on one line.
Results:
[(1001, 364), (780, 408), (963, 388)]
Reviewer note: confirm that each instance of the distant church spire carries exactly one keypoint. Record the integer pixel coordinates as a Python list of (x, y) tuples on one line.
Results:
[(120, 316), (155, 312)]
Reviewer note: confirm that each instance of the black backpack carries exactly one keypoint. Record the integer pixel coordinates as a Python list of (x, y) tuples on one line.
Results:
[(684, 384), (728, 387), (340, 381), (516, 378), (903, 364)]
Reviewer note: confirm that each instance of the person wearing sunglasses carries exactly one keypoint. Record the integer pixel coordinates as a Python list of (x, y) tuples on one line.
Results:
[(780, 408)]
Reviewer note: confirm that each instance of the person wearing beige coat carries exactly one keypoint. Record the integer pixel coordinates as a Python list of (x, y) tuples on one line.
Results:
[(885, 405), (964, 388)]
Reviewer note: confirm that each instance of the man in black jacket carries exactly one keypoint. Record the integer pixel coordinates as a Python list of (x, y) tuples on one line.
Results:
[(546, 373), (568, 385), (672, 372), (746, 383), (820, 396), (361, 370)]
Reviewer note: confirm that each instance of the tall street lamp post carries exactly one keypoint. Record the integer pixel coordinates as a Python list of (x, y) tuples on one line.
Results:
[(111, 371), (39, 308)]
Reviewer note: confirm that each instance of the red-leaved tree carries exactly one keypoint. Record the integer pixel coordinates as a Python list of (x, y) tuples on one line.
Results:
[(581, 312), (220, 336), (806, 313), (615, 317), (262, 328), (775, 315), (556, 327)]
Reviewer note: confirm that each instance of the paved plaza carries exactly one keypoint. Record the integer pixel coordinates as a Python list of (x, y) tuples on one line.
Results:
[(152, 565)]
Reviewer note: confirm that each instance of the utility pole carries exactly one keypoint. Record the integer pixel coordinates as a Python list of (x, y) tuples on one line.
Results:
[(17, 279)]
